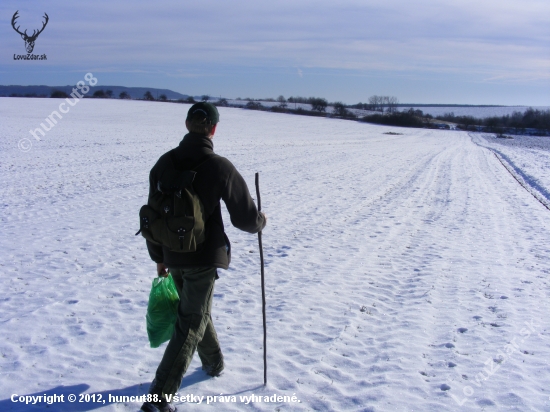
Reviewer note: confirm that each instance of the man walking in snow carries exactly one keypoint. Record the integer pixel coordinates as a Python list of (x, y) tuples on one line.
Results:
[(194, 273)]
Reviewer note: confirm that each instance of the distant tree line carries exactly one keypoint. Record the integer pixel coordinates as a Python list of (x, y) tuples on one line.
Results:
[(98, 94), (26, 95), (379, 104), (190, 99), (101, 94), (108, 94), (318, 104), (531, 121), (58, 94), (517, 122), (408, 118)]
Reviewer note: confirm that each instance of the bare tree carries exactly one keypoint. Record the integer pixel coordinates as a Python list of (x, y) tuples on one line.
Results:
[(378, 103), (205, 98), (339, 109), (253, 105), (99, 94), (57, 94), (318, 104), (375, 103), (392, 103), (282, 102)]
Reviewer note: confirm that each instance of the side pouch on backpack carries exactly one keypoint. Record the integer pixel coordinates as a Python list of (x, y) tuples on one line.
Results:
[(150, 224)]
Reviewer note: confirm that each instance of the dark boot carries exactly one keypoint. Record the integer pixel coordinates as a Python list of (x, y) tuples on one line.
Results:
[(161, 406)]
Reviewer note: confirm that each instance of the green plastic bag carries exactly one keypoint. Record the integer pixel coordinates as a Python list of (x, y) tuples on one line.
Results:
[(162, 310)]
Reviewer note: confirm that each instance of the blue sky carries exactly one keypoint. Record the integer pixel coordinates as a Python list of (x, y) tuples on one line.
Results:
[(423, 51)]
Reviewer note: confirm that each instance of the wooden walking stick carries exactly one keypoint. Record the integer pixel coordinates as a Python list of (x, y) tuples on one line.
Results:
[(262, 277)]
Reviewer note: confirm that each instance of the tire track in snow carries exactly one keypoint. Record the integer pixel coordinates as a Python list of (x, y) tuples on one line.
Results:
[(398, 285), (526, 181), (342, 171), (489, 222), (353, 279), (447, 215)]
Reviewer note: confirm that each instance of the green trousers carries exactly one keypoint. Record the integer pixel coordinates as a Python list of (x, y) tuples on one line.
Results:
[(194, 329)]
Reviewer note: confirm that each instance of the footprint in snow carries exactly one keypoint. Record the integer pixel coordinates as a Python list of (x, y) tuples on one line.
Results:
[(451, 364), (504, 297), (477, 317), (449, 345), (444, 387), (485, 402), (462, 330)]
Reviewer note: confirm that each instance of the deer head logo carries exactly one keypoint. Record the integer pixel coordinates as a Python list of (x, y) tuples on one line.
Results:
[(29, 40)]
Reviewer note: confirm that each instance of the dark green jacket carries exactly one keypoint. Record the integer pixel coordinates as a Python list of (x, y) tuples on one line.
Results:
[(216, 179)]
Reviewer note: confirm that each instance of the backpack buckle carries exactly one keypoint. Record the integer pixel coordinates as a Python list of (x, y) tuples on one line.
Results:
[(181, 232)]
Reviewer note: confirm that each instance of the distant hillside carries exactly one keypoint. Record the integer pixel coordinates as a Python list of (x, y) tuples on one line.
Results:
[(46, 91), (446, 105)]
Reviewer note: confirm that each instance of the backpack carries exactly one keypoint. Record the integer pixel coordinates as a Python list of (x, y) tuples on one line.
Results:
[(174, 215)]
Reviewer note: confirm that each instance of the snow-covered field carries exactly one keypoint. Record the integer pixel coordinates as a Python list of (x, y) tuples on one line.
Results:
[(404, 272)]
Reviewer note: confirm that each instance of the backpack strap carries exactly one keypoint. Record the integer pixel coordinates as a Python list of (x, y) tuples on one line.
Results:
[(174, 177), (202, 160)]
